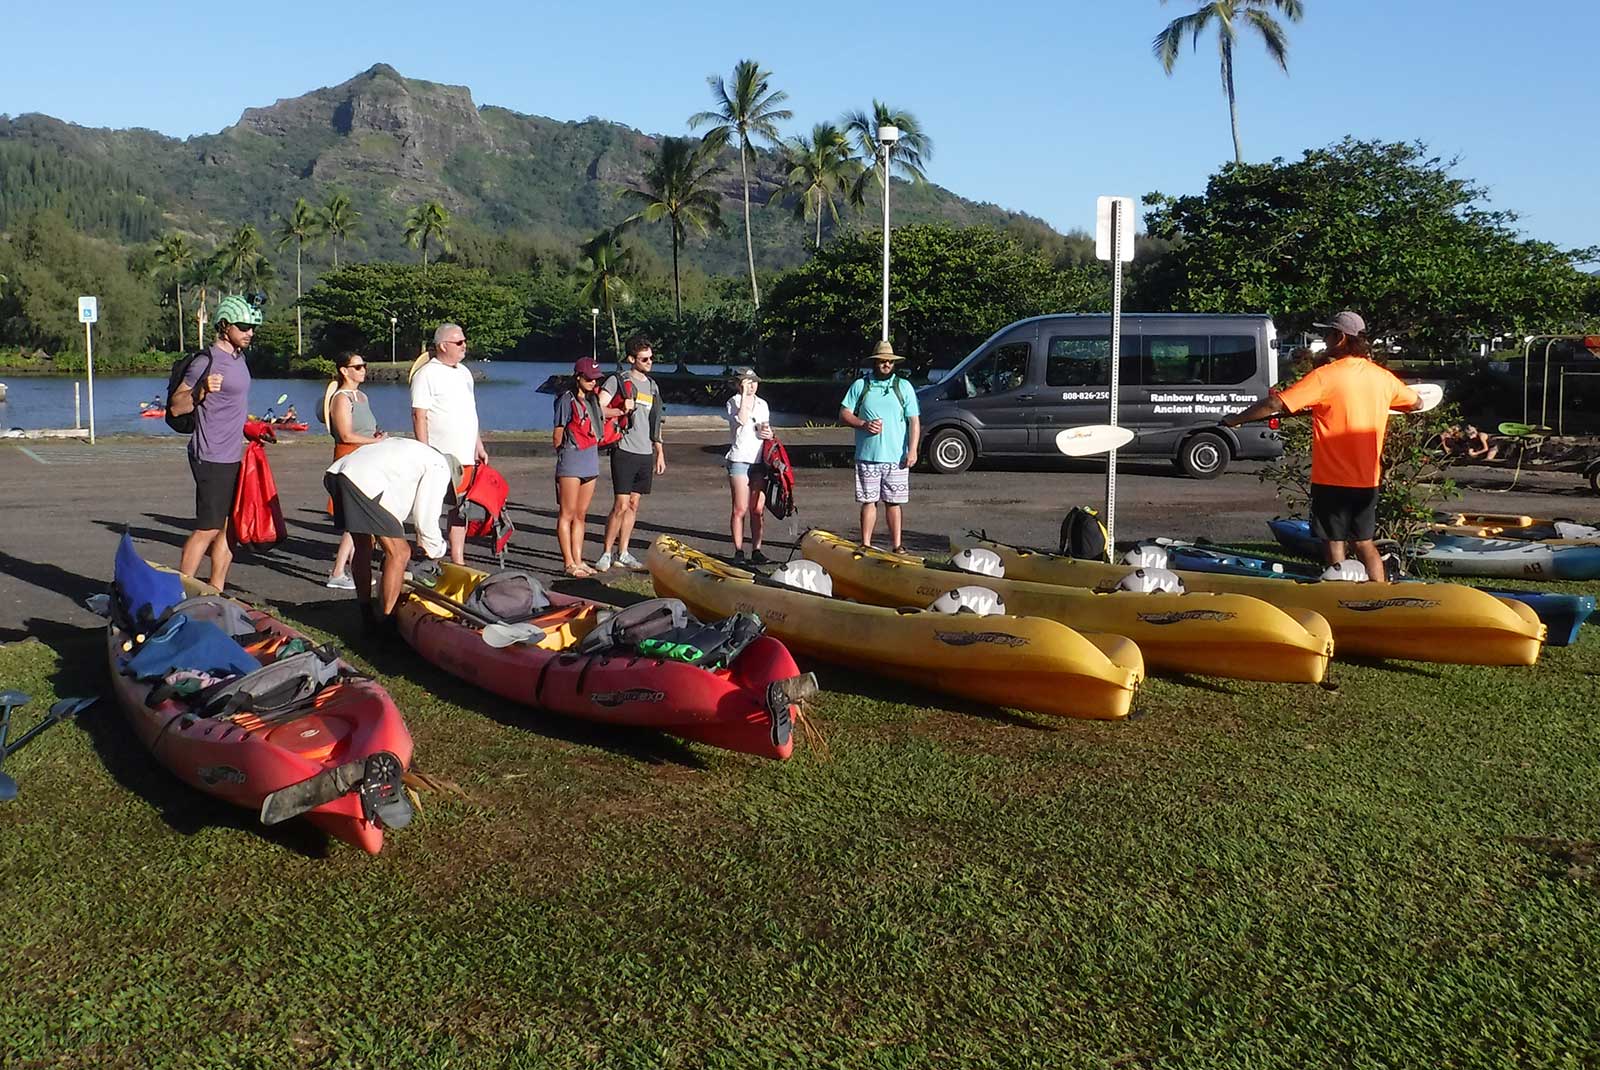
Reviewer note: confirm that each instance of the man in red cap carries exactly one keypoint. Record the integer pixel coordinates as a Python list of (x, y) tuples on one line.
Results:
[(1349, 398)]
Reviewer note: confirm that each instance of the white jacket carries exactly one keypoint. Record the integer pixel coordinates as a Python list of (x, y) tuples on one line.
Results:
[(409, 479)]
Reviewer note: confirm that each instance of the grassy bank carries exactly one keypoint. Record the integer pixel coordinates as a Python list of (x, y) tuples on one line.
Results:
[(1399, 872)]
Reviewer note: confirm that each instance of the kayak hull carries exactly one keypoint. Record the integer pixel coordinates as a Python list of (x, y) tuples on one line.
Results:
[(724, 708), (242, 765), (1208, 634), (1025, 662), (1459, 555)]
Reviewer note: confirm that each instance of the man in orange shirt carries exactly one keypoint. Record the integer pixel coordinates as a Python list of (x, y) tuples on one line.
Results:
[(1349, 398)]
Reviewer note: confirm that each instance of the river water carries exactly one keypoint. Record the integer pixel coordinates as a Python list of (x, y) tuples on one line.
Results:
[(507, 400)]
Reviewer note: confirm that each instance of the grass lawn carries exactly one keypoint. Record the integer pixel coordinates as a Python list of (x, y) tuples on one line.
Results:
[(1399, 872)]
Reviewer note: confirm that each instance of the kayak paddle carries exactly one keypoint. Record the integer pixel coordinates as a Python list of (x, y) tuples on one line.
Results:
[(64, 710)]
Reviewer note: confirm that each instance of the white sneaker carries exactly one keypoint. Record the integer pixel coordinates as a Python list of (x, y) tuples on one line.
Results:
[(604, 564), (345, 582), (627, 560)]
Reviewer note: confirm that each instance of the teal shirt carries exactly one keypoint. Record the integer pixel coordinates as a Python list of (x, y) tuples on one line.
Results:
[(891, 444)]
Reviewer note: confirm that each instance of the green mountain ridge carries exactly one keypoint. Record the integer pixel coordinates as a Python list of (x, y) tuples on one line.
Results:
[(390, 142)]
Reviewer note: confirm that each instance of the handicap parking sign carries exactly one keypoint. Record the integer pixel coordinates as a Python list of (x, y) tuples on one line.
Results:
[(88, 309)]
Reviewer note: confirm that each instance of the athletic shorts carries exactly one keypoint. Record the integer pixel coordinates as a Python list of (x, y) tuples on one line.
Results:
[(754, 471), (889, 483), (358, 514), (1343, 514), (215, 484), (632, 473)]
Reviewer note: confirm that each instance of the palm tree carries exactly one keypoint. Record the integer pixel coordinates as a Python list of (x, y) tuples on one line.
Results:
[(1228, 14), (340, 222), (603, 279), (238, 256), (820, 169), (749, 111), (301, 225), (426, 223), (679, 192), (173, 251), (204, 275), (910, 153)]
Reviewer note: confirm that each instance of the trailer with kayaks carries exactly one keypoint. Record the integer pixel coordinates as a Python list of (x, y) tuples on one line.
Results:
[(1026, 662), (1209, 634)]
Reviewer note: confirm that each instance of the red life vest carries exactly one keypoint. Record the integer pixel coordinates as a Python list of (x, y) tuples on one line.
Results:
[(580, 427), (257, 514)]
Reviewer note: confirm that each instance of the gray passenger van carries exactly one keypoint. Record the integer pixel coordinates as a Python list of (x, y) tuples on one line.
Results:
[(1011, 395)]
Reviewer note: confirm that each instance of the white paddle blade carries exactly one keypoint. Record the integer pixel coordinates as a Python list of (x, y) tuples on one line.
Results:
[(282, 398), (1429, 394), (1091, 439), (504, 635)]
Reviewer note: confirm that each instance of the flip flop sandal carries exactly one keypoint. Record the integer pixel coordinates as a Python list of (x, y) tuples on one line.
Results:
[(582, 572)]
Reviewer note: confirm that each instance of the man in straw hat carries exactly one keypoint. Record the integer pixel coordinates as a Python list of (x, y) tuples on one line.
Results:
[(882, 407)]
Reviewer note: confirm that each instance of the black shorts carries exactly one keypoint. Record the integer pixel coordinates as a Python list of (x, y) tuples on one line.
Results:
[(1343, 514), (215, 484), (358, 514), (632, 473)]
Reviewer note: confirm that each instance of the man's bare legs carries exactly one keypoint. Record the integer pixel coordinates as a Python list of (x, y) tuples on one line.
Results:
[(1366, 552), (197, 545)]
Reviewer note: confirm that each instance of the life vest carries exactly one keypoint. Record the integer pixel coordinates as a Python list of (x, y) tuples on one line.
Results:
[(780, 479), (580, 427)]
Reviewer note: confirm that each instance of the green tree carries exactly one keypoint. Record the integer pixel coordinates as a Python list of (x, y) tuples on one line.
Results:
[(908, 156), (678, 191), (428, 223), (1228, 14), (819, 171), (301, 225), (204, 276), (174, 253), (603, 279), (745, 110), (240, 256), (352, 306), (340, 222), (1383, 228), (953, 287)]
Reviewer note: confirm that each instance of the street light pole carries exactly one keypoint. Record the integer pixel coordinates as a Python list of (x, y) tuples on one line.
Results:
[(394, 328), (594, 334), (887, 136)]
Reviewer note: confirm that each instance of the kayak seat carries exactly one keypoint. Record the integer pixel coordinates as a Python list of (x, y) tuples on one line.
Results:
[(803, 575), (979, 561), (970, 599), (1151, 580)]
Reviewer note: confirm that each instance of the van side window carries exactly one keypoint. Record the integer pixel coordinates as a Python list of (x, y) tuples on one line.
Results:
[(1078, 362), (1000, 371), (1233, 358), (1198, 359)]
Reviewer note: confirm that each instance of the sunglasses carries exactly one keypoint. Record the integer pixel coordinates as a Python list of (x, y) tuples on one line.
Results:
[(646, 360), (247, 328), (356, 367)]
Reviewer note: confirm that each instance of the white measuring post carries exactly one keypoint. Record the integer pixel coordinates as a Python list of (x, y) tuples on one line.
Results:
[(1113, 241), (88, 315)]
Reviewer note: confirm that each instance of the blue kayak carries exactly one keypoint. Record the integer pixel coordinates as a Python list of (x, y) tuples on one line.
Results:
[(1562, 614), (1466, 555)]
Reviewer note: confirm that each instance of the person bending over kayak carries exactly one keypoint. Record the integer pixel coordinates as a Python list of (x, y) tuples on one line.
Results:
[(1349, 398), (374, 490)]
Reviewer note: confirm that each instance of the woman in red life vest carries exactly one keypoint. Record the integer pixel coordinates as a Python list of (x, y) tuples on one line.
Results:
[(579, 425)]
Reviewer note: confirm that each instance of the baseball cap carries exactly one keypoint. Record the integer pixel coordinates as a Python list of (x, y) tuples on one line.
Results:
[(1346, 323), (746, 373), (587, 368)]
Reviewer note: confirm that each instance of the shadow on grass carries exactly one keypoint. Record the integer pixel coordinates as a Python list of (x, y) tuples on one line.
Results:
[(394, 657), (56, 580), (82, 668), (864, 685)]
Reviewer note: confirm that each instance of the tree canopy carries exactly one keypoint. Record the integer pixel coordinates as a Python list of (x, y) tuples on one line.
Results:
[(354, 305), (1384, 228)]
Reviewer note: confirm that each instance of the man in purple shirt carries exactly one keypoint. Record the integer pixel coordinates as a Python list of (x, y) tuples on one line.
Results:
[(216, 388)]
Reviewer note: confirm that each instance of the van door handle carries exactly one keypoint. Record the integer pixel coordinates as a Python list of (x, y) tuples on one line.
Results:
[(1025, 397)]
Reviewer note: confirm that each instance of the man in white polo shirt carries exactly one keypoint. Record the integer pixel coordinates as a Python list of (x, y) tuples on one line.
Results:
[(444, 415)]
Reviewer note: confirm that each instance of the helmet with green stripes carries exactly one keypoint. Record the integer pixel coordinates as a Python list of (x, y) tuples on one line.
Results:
[(236, 310)]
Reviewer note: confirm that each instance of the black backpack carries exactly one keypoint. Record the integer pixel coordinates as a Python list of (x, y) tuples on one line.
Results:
[(185, 423), (1082, 535)]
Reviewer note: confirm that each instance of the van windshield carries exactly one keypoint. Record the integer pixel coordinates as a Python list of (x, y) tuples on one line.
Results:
[(999, 371)]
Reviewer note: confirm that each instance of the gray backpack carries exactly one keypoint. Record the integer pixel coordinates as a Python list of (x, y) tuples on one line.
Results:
[(275, 691)]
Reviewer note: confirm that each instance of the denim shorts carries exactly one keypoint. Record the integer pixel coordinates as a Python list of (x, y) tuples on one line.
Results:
[(755, 471)]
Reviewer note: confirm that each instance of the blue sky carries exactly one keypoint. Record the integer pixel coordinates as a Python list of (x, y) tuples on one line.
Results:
[(1035, 106)]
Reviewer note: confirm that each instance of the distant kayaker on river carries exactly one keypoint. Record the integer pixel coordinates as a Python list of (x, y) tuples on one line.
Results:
[(216, 388), (751, 423), (882, 407), (348, 414), (1349, 398), (444, 414)]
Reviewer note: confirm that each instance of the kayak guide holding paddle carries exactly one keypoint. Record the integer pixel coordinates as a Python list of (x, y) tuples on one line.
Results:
[(1350, 399)]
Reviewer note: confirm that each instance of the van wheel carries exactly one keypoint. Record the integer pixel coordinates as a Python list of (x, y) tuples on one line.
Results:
[(1203, 456), (950, 452)]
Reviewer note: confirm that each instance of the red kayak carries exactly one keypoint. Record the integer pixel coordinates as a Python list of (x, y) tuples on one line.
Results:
[(333, 751), (289, 425), (749, 706), (151, 414)]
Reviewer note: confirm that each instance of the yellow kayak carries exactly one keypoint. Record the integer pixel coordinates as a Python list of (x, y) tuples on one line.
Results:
[(1025, 662), (1440, 622), (1213, 634)]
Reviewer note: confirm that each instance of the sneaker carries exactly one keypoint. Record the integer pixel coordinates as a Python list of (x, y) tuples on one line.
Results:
[(345, 582), (738, 557), (604, 564), (757, 557), (627, 560)]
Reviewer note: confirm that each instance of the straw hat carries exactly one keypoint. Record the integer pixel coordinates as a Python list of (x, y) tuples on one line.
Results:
[(884, 351)]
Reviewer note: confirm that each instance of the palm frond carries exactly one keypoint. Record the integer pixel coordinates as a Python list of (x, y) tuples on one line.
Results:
[(1273, 35)]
